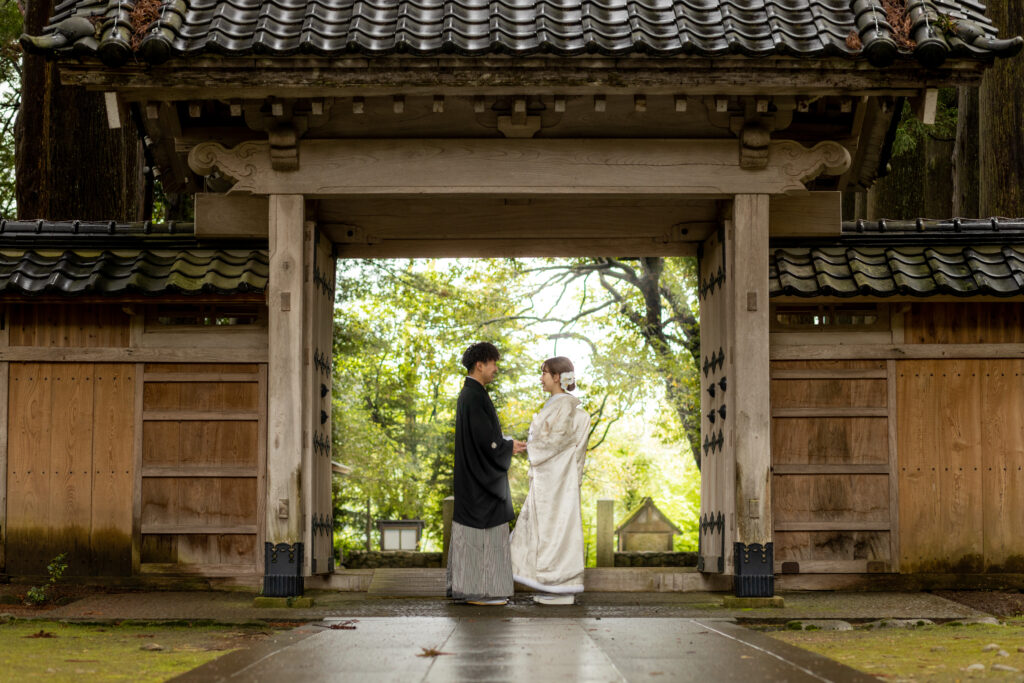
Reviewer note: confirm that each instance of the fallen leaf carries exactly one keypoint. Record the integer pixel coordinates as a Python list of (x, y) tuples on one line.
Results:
[(152, 647), (42, 634), (349, 625), (431, 652)]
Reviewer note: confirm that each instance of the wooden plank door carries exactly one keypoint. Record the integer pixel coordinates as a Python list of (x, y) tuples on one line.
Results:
[(715, 538), (319, 336)]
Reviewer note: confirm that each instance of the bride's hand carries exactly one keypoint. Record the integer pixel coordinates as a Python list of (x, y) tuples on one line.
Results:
[(518, 446)]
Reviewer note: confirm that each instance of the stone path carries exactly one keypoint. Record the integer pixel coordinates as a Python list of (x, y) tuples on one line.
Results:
[(531, 650), (235, 606)]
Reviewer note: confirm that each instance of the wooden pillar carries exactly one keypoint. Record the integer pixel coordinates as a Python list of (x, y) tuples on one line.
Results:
[(284, 546), (749, 426), (605, 532)]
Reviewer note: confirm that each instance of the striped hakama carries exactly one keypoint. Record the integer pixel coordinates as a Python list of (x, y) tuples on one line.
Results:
[(479, 563)]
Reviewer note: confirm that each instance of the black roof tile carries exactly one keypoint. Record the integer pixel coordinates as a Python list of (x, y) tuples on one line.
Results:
[(76, 272), (708, 28)]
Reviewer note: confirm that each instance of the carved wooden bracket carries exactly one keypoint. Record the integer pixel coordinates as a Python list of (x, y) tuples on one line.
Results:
[(518, 124), (517, 167), (754, 142)]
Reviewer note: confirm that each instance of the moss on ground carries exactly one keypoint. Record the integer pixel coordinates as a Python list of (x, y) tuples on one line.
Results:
[(61, 651), (932, 654)]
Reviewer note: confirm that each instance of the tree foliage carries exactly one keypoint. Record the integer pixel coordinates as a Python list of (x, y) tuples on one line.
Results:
[(400, 327), (10, 97)]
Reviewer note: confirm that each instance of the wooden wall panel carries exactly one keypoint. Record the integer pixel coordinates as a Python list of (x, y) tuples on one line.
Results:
[(831, 498), (28, 463), (198, 501), (113, 436), (832, 440), (71, 467), (822, 393), (201, 484), (940, 477), (817, 550), (71, 463), (69, 325), (1002, 461), (965, 323)]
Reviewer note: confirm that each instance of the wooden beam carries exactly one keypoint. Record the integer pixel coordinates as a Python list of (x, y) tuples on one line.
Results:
[(310, 76), (229, 471), (750, 414), (197, 529), (199, 415), (836, 468), (510, 167), (896, 351), (231, 216), (515, 248), (287, 310), (812, 214), (830, 411), (532, 227), (855, 525), (838, 373), (202, 377), (33, 354), (178, 569)]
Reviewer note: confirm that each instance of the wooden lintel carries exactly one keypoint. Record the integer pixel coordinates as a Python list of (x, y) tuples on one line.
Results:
[(331, 168), (516, 248), (895, 351)]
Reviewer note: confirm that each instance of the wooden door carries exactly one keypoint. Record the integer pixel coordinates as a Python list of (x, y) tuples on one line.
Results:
[(320, 349), (716, 471)]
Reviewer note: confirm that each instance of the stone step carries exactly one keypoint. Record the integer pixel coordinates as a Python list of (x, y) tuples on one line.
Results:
[(431, 582), (407, 583)]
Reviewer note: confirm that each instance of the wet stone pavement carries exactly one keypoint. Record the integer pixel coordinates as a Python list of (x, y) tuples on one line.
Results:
[(534, 650)]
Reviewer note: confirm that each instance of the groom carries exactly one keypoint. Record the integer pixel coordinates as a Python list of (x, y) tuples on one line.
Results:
[(479, 560)]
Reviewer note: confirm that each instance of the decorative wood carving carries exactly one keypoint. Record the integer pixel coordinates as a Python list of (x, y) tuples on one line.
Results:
[(509, 167)]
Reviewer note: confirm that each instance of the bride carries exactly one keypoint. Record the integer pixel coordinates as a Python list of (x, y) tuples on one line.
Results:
[(547, 542)]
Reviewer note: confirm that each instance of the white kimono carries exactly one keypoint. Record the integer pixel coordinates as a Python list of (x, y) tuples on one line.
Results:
[(547, 542)]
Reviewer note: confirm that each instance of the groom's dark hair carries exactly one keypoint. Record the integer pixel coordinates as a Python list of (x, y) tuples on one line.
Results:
[(481, 352)]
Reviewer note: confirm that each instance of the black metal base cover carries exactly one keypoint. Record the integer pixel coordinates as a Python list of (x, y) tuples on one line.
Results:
[(282, 576), (755, 577)]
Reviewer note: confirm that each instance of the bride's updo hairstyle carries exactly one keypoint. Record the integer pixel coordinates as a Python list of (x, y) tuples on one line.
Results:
[(557, 366)]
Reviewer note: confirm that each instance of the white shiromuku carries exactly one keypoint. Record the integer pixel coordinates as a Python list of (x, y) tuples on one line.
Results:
[(547, 542)]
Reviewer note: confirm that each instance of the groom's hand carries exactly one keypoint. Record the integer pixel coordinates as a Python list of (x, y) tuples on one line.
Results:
[(518, 446)]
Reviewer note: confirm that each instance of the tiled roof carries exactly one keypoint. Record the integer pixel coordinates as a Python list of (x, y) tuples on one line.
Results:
[(993, 270), (112, 272), (109, 258), (708, 28)]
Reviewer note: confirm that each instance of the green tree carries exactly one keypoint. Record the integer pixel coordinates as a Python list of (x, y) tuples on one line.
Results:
[(10, 96), (400, 328)]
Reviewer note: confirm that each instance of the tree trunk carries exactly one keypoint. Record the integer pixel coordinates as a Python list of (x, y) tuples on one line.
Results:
[(899, 195), (70, 165), (1001, 146), (938, 179), (965, 155)]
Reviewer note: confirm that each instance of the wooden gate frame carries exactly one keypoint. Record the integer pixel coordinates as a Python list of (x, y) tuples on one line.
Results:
[(635, 168)]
